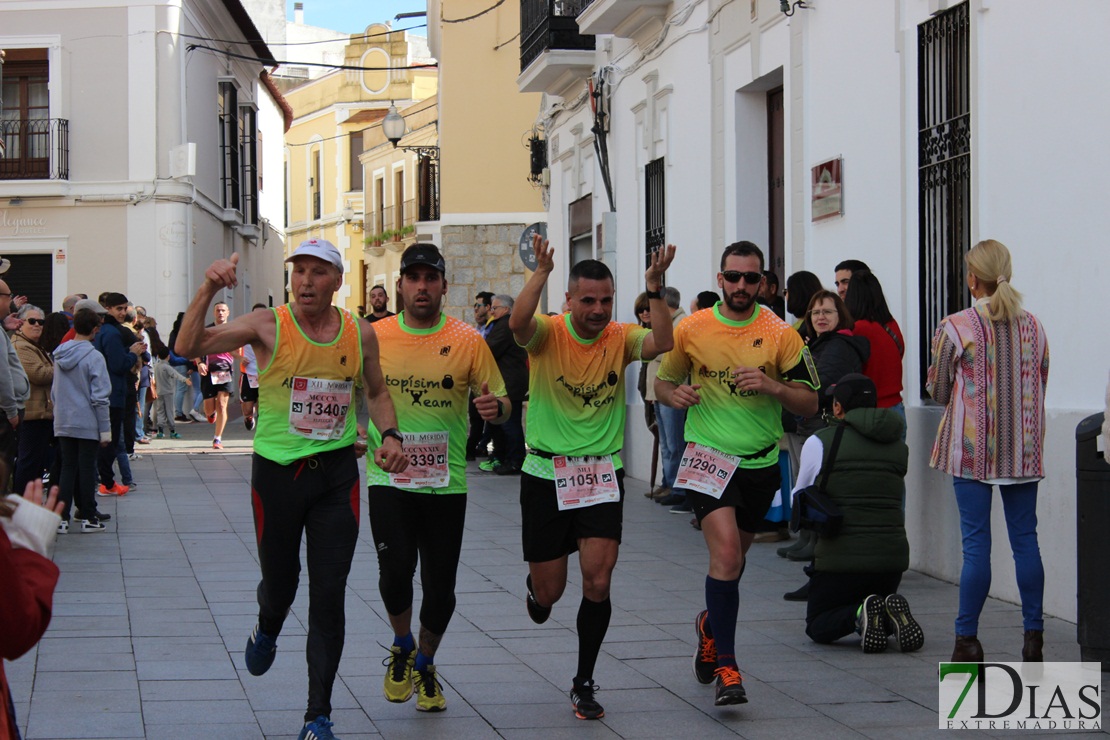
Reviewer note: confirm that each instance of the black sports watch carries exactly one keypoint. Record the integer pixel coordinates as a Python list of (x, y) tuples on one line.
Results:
[(653, 294), (392, 432), (500, 409)]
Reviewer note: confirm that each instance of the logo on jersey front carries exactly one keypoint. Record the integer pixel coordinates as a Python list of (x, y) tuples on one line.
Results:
[(589, 393), (422, 391), (724, 377)]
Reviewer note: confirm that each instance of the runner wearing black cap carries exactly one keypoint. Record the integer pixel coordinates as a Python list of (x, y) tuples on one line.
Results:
[(431, 363)]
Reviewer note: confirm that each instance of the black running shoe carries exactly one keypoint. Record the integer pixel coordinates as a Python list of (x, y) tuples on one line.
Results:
[(539, 614), (730, 687), (80, 517), (705, 657), (907, 631), (582, 699), (261, 651), (872, 625)]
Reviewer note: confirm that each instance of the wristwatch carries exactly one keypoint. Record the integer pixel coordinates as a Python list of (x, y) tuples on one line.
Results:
[(392, 432), (500, 409), (653, 294)]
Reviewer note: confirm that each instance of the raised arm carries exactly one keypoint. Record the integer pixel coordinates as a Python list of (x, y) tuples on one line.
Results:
[(194, 339), (522, 321), (661, 338)]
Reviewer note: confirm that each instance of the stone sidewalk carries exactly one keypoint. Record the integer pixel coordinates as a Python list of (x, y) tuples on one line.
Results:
[(151, 616)]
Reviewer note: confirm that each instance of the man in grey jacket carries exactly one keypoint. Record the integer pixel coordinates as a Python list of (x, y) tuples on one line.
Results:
[(14, 386)]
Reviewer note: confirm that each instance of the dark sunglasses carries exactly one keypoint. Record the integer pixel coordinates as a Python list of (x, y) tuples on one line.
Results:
[(36, 322), (733, 276)]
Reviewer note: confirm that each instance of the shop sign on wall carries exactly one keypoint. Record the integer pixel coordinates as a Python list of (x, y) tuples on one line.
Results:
[(20, 224)]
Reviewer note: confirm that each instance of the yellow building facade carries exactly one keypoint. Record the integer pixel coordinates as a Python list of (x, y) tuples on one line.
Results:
[(402, 190), (325, 181), (486, 199)]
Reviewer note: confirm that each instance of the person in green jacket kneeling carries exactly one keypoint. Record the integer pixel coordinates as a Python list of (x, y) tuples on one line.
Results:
[(856, 574)]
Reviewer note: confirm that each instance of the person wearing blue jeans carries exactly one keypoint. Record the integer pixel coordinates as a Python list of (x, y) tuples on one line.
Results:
[(670, 422), (990, 370), (1019, 503)]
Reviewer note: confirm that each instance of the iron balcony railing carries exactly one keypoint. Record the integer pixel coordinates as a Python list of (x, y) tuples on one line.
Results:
[(35, 149), (550, 24)]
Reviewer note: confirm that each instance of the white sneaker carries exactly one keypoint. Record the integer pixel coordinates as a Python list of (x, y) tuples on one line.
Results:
[(134, 456), (197, 416), (63, 527), (92, 525)]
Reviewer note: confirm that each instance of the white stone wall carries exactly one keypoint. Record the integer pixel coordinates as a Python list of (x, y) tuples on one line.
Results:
[(850, 89)]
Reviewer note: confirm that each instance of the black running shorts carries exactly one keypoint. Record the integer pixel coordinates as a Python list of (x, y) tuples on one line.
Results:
[(549, 534), (750, 491), (208, 389), (246, 393)]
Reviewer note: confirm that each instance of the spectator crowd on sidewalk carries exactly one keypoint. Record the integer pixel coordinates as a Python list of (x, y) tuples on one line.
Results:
[(756, 421)]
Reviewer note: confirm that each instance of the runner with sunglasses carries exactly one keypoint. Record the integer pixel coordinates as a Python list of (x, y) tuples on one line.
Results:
[(747, 364)]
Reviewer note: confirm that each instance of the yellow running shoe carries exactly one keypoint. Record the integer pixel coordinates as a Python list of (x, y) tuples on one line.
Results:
[(398, 674), (429, 694)]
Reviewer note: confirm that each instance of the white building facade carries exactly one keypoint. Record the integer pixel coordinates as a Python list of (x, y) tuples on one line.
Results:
[(948, 122), (138, 151)]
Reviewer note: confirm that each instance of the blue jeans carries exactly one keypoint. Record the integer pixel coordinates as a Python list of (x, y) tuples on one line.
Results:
[(179, 391), (1019, 502), (672, 430), (140, 423)]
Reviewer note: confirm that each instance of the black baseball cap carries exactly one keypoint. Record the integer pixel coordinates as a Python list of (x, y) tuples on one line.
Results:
[(854, 391), (423, 254)]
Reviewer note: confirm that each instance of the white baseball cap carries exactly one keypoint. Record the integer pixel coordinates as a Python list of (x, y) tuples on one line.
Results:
[(321, 249)]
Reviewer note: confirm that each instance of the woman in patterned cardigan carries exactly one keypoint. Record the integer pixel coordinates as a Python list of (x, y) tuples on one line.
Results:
[(990, 367)]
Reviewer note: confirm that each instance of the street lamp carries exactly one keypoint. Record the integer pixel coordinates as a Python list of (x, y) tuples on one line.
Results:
[(394, 127)]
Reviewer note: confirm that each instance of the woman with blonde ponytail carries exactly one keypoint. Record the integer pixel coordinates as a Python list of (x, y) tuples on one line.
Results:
[(990, 369)]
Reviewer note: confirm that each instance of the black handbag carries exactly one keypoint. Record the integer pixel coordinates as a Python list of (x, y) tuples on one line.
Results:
[(812, 508)]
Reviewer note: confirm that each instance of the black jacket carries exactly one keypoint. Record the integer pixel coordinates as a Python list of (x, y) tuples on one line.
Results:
[(511, 358), (836, 354)]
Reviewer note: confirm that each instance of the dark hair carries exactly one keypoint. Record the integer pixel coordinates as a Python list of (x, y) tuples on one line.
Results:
[(708, 299), (257, 306), (381, 288), (844, 318), (853, 265), (742, 249), (772, 278), (111, 300), (642, 304), (162, 352), (85, 321), (865, 298), (55, 327), (156, 342), (485, 297), (800, 287), (591, 270)]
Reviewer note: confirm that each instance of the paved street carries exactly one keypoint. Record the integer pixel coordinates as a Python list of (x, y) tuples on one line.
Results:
[(150, 620)]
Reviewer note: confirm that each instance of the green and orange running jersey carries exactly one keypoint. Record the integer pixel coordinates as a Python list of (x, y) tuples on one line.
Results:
[(576, 388), (430, 374), (708, 348), (308, 390)]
